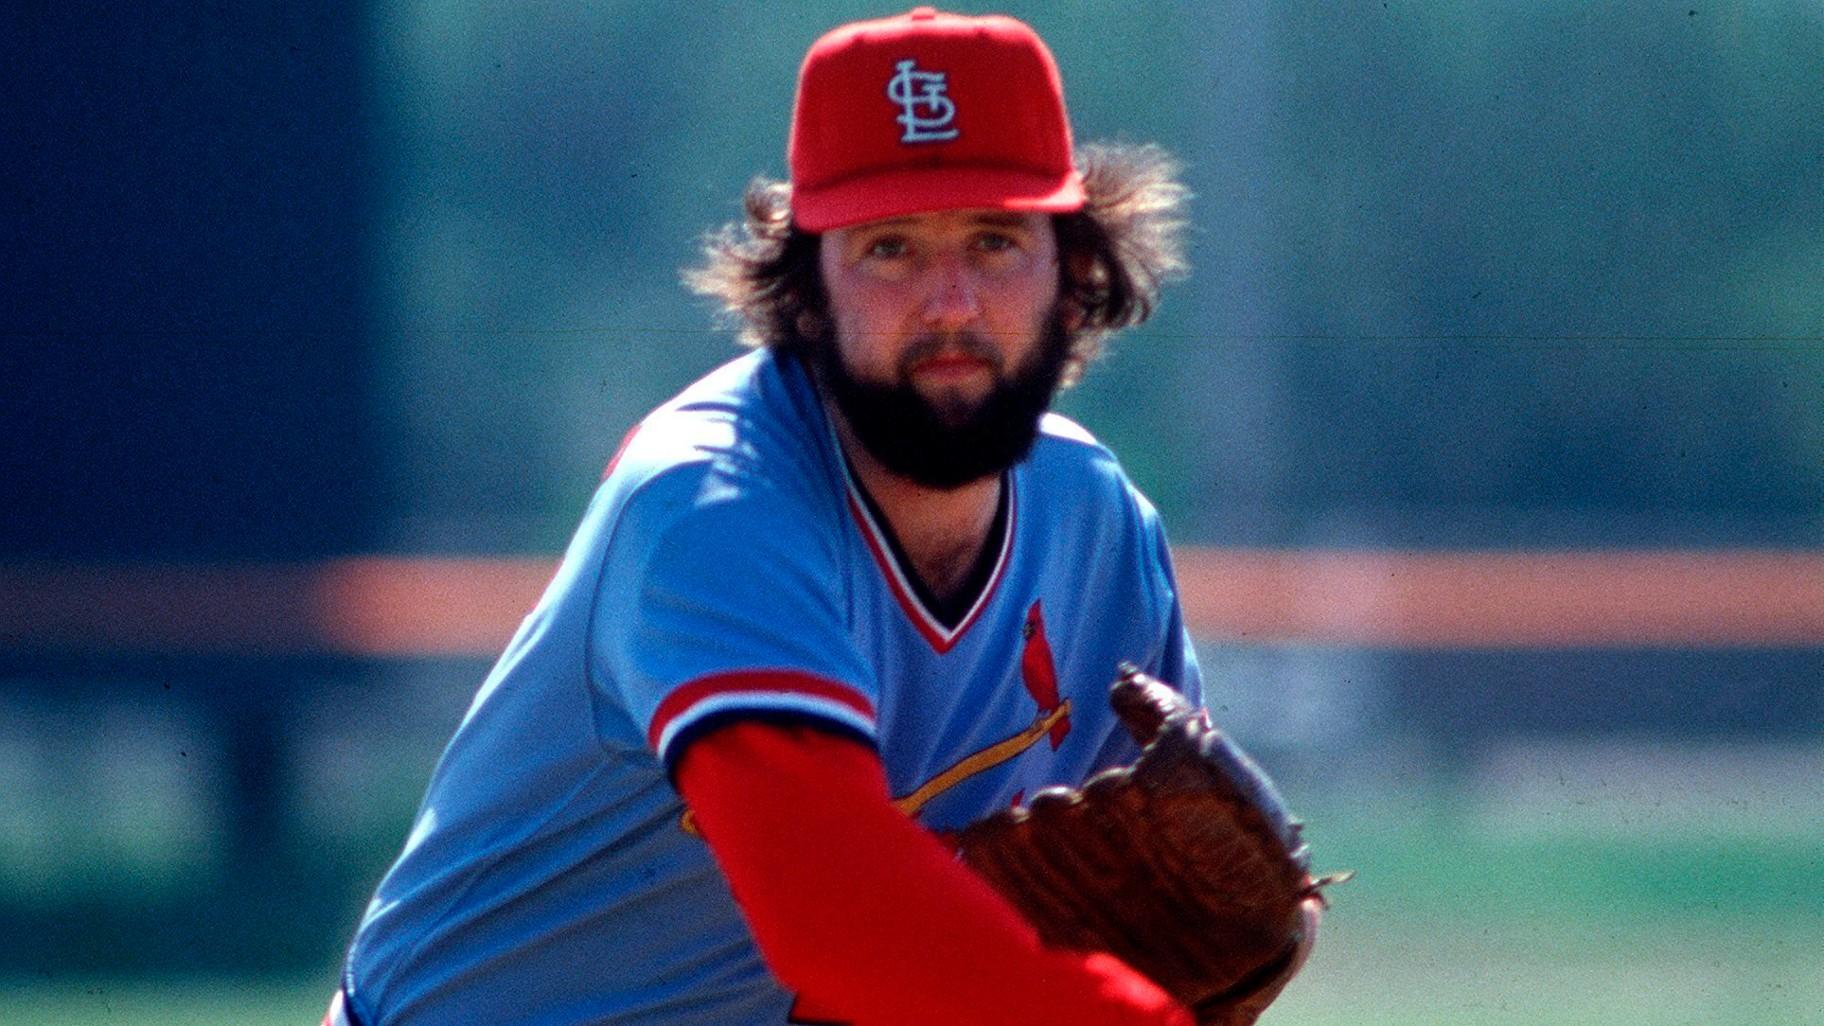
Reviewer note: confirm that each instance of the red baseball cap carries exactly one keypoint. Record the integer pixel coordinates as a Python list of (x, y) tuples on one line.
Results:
[(929, 111)]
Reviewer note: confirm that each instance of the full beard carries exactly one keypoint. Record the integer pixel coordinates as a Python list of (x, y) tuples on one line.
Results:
[(947, 444)]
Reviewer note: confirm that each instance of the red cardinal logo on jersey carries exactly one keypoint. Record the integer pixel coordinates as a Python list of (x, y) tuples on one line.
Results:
[(1040, 673)]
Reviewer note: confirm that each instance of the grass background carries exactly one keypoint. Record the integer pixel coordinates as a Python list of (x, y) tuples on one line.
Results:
[(1456, 920), (1461, 913)]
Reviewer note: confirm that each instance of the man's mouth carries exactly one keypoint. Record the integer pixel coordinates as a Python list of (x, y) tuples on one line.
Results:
[(951, 366)]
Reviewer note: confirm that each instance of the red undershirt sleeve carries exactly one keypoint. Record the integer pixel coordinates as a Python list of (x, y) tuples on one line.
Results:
[(856, 907)]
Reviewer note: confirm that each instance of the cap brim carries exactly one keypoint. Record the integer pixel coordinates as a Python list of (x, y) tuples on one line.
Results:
[(902, 191)]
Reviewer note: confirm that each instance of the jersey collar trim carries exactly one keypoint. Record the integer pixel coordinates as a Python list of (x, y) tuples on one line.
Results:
[(899, 582)]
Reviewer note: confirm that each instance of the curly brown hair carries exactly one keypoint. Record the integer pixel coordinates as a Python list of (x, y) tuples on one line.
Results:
[(1113, 256)]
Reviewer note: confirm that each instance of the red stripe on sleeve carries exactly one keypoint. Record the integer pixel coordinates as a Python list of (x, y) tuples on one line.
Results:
[(858, 909), (758, 683)]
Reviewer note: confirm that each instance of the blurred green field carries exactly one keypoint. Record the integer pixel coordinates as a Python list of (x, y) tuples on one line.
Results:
[(1453, 919), (173, 1003)]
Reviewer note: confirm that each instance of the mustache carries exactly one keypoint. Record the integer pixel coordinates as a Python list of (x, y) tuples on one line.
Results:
[(969, 343)]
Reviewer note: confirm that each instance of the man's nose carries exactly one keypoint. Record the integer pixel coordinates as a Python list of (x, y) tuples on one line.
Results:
[(954, 299)]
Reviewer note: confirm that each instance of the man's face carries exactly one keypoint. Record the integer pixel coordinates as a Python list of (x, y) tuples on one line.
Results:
[(948, 342)]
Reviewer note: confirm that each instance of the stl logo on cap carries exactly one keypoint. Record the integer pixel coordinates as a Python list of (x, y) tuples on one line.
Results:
[(913, 89)]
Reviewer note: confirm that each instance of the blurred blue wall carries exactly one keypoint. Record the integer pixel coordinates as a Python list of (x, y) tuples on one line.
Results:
[(186, 305), (399, 275)]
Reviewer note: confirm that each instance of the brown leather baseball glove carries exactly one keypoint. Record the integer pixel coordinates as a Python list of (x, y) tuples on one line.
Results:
[(1186, 865)]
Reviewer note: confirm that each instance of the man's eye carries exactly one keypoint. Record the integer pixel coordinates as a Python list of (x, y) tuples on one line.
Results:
[(994, 242), (891, 246)]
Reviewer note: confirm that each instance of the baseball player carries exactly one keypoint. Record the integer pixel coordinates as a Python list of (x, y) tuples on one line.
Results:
[(851, 591)]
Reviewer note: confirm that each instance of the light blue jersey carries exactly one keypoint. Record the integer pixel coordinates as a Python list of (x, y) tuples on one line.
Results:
[(730, 567)]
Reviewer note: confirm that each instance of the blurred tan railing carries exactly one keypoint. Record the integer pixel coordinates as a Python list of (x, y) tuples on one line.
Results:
[(417, 607)]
